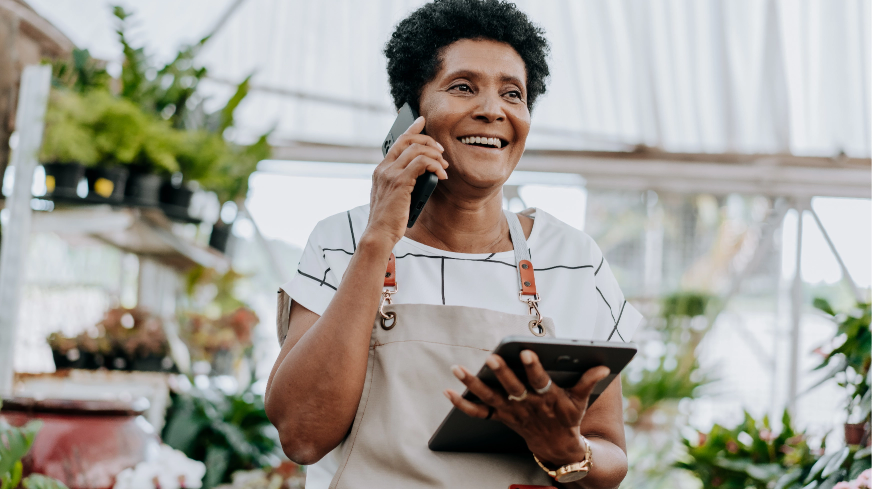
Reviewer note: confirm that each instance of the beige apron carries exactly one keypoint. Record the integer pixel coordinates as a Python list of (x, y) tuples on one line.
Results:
[(402, 404)]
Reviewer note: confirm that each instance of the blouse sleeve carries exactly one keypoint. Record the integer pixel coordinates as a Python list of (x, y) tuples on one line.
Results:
[(315, 283), (616, 319)]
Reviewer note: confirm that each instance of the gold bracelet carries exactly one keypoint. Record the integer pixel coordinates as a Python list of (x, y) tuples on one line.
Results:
[(570, 472)]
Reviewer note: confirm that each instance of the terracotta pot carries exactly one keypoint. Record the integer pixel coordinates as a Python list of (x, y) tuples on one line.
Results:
[(855, 434), (83, 444)]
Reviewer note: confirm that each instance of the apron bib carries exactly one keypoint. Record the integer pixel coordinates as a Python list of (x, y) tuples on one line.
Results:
[(402, 404)]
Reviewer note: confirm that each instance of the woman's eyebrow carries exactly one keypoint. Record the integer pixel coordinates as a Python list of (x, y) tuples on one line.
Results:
[(474, 75)]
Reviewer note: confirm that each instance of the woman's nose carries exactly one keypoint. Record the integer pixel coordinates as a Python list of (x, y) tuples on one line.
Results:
[(489, 108)]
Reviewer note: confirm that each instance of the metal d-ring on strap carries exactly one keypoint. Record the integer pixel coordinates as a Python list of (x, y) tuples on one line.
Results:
[(388, 319), (519, 243)]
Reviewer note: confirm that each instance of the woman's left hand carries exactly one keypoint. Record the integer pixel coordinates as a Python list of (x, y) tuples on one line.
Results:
[(548, 422)]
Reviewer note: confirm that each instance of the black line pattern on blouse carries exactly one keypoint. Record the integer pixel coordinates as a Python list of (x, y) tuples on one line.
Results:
[(324, 280), (615, 330), (482, 260), (351, 227), (600, 265), (607, 304), (443, 281), (323, 283)]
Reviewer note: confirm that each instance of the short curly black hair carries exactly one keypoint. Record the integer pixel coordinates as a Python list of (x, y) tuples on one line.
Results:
[(413, 51)]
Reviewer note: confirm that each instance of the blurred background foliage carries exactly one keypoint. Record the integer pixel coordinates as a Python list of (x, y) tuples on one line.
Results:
[(150, 118)]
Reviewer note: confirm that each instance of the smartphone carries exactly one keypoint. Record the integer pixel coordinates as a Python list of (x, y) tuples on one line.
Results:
[(426, 183)]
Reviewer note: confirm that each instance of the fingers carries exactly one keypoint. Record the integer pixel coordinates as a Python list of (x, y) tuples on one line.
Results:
[(413, 136), (425, 162), (537, 377), (477, 387), (582, 390), (571, 404), (470, 408), (416, 126), (505, 375)]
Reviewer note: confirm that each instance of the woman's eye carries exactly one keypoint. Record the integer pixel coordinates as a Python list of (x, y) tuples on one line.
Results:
[(514, 94), (463, 87)]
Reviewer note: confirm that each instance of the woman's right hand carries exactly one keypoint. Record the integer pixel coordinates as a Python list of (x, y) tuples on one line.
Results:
[(394, 178)]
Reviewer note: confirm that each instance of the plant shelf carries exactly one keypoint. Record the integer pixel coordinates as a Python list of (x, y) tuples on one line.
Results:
[(145, 232)]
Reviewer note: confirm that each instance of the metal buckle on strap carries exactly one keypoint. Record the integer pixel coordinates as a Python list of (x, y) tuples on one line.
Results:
[(388, 319), (535, 325)]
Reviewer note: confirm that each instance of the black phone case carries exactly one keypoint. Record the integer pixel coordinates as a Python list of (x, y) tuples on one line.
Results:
[(426, 183)]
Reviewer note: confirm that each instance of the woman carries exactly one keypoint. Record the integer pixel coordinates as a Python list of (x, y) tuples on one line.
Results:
[(358, 398)]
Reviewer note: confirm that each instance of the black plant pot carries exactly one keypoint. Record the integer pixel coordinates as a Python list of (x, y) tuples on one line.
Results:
[(142, 190), (220, 236), (175, 201), (67, 360), (106, 185), (153, 363), (62, 180)]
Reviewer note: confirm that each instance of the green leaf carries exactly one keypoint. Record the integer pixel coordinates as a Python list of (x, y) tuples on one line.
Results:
[(818, 467), (788, 478), (217, 459), (835, 462), (18, 442), (233, 103), (863, 453), (823, 305), (39, 481), (11, 479), (834, 479), (858, 467), (866, 404), (765, 472)]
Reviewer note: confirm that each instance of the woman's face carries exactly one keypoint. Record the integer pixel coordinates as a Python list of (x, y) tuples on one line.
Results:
[(478, 92)]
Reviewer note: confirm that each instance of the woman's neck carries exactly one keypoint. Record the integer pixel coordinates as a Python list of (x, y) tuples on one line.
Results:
[(463, 225)]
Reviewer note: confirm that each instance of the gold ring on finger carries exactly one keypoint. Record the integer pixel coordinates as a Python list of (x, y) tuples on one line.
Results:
[(545, 389), (519, 398)]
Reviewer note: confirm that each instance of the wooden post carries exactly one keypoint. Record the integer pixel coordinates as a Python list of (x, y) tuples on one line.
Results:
[(8, 79), (32, 101)]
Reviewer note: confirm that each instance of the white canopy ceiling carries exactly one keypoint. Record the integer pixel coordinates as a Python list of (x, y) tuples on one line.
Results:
[(746, 76)]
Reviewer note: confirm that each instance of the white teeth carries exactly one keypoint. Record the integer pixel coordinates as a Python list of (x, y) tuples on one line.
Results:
[(495, 142)]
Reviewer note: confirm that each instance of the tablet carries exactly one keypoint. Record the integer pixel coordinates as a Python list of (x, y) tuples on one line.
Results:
[(565, 361)]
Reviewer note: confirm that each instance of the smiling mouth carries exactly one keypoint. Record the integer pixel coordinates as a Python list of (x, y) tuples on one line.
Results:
[(483, 142)]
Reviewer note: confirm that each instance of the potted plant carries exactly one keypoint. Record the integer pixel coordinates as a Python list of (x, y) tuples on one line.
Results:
[(228, 431), (125, 339), (67, 144), (847, 357), (154, 163), (138, 338), (216, 326), (749, 455)]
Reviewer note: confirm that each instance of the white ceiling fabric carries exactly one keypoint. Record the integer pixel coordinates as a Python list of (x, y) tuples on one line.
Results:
[(747, 76)]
